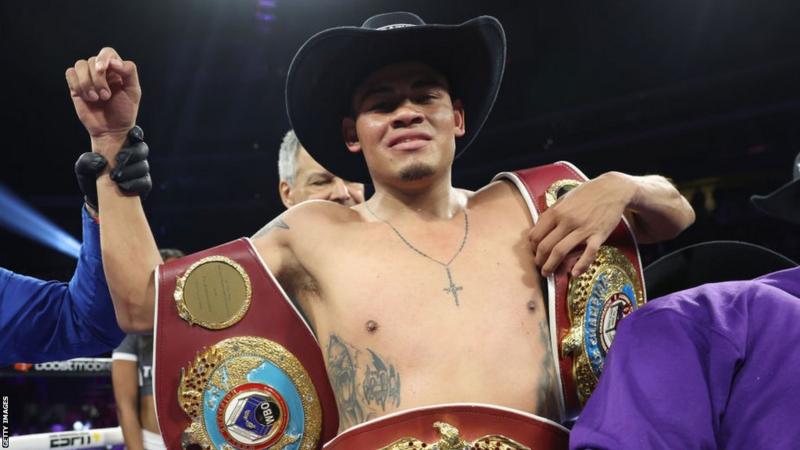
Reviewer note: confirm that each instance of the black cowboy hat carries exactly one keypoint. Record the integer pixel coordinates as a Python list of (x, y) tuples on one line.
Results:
[(784, 202), (329, 66), (711, 262)]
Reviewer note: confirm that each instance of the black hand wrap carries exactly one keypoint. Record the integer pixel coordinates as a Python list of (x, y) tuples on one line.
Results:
[(132, 173), (87, 168)]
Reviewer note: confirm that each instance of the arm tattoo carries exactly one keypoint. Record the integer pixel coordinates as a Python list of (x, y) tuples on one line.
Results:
[(547, 404), (359, 401), (275, 223)]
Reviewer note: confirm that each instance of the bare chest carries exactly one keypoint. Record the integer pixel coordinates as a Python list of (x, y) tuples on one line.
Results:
[(384, 275), (470, 329)]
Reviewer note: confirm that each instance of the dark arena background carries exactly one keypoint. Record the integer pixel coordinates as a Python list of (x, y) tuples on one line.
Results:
[(705, 92)]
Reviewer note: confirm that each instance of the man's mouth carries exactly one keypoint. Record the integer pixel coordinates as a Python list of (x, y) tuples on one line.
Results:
[(409, 141)]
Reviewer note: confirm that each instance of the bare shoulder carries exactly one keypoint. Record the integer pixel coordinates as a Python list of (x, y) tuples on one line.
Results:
[(282, 240), (503, 195), (309, 216), (501, 205)]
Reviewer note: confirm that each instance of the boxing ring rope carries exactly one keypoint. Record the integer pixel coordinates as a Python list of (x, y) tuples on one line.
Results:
[(70, 367), (68, 440)]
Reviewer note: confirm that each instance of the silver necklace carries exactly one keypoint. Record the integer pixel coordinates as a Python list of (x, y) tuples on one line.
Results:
[(452, 287)]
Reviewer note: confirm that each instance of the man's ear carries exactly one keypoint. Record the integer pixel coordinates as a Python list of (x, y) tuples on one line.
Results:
[(285, 190), (349, 134), (458, 116)]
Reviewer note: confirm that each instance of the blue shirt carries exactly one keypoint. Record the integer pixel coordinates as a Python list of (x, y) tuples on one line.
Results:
[(51, 320)]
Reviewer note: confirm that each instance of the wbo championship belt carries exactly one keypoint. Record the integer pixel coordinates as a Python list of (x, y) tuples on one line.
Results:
[(584, 311), (454, 427), (236, 364)]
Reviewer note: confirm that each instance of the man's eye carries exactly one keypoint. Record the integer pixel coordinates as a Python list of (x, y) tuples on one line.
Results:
[(381, 106), (428, 95), (320, 182)]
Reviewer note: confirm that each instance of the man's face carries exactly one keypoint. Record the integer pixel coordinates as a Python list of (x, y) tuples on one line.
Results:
[(312, 181), (405, 123)]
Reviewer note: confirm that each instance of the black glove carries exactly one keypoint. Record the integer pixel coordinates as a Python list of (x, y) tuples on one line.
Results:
[(87, 168), (132, 173)]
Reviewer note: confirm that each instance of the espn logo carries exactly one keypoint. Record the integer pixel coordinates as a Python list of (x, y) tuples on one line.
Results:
[(73, 439)]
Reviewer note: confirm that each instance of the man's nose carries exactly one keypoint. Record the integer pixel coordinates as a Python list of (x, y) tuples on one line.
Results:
[(339, 193), (406, 115)]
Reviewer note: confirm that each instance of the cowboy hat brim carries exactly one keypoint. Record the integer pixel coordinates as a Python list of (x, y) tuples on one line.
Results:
[(328, 67), (783, 203), (711, 262)]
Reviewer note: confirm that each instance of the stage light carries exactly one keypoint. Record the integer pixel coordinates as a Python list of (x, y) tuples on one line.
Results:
[(19, 217), (265, 13)]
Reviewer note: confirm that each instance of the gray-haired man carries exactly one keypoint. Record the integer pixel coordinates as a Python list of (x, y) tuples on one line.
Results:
[(303, 178)]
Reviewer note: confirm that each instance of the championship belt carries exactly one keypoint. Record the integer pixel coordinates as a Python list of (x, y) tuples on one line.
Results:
[(454, 427), (583, 311), (236, 365)]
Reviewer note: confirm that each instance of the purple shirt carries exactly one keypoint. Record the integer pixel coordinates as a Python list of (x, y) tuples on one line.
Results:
[(715, 366)]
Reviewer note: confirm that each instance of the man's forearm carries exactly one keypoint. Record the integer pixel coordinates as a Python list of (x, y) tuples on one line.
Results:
[(131, 428), (129, 250), (658, 211)]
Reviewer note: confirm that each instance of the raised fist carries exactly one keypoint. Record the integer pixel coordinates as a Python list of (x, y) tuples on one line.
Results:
[(105, 91)]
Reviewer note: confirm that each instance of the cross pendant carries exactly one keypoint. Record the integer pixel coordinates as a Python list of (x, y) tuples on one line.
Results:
[(452, 288)]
